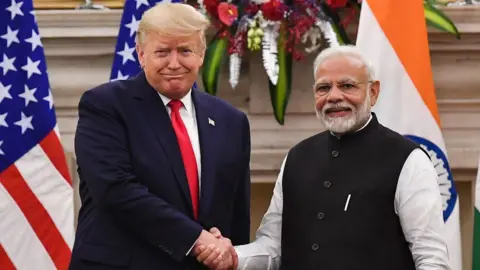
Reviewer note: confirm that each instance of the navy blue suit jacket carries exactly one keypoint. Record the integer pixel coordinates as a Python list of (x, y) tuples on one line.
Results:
[(136, 210)]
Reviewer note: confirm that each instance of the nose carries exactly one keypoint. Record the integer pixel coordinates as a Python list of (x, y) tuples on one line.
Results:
[(173, 62), (335, 95)]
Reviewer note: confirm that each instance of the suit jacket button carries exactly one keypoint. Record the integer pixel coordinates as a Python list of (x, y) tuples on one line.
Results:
[(314, 247), (320, 215), (335, 153), (327, 184)]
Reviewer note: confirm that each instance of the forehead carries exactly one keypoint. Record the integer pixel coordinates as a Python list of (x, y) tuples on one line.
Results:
[(341, 67), (156, 39)]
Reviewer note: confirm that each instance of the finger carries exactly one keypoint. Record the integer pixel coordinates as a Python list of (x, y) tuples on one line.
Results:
[(215, 254), (216, 232), (234, 257), (198, 249), (207, 252), (219, 261)]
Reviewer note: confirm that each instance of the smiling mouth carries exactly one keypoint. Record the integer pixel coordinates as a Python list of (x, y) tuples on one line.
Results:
[(337, 112)]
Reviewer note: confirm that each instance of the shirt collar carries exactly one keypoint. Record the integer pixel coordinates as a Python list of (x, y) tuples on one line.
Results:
[(186, 100), (366, 124)]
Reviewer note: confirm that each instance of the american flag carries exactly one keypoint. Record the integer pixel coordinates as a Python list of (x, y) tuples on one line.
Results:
[(125, 62), (36, 194)]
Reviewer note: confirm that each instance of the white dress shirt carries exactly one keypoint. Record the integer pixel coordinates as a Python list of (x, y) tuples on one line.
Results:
[(417, 202)]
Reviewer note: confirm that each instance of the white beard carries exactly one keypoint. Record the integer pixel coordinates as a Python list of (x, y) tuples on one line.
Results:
[(352, 122)]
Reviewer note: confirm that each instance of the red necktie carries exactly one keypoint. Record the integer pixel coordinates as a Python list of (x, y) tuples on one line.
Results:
[(188, 156)]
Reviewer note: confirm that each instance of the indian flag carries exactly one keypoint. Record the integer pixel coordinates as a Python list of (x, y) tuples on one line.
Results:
[(476, 225), (393, 35)]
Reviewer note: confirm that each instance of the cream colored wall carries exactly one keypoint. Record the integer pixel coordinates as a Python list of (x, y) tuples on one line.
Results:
[(79, 48)]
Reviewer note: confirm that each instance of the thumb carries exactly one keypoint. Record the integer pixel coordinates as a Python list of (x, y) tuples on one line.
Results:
[(216, 232)]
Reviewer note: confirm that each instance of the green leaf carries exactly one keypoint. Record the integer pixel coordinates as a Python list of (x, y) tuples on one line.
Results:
[(214, 56), (437, 19), (337, 26), (280, 93)]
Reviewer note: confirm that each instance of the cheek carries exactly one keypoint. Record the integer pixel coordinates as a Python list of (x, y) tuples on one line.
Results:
[(191, 63), (355, 101), (319, 103)]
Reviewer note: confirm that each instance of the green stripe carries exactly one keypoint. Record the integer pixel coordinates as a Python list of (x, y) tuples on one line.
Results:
[(476, 239)]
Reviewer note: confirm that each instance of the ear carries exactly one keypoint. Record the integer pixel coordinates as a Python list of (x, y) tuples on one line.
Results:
[(374, 92), (202, 56), (140, 54)]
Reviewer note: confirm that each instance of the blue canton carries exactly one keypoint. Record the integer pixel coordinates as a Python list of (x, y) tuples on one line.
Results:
[(26, 105)]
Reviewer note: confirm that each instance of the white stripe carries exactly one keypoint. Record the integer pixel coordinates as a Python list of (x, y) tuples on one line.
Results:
[(51, 189), (401, 108), (57, 131), (18, 238)]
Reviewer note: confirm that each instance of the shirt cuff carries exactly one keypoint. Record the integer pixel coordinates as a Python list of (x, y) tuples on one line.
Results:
[(190, 250)]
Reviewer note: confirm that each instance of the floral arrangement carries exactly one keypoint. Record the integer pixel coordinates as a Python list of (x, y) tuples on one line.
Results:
[(277, 28)]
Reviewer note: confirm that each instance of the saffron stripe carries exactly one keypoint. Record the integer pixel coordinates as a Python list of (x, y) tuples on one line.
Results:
[(5, 262), (37, 216), (415, 56), (54, 150)]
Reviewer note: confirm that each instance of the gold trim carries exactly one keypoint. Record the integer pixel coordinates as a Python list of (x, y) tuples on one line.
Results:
[(72, 4)]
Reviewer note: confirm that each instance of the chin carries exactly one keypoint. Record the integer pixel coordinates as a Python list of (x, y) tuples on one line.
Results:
[(340, 124)]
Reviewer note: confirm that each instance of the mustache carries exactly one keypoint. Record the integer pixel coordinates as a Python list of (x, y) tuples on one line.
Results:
[(338, 106)]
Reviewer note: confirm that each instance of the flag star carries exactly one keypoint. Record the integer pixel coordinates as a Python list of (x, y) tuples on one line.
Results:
[(11, 36), (4, 92), (7, 64), (133, 26), (31, 67), (120, 76), (34, 40), (15, 9), (1, 152), (127, 54), (49, 99), (25, 123), (28, 95), (140, 3), (3, 121)]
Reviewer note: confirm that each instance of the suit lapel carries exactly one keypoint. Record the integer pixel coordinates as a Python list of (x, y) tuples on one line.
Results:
[(207, 133), (159, 121)]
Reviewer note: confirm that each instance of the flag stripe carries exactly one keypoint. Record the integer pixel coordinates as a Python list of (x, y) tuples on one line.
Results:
[(37, 216), (50, 188), (5, 262), (17, 236), (415, 56), (54, 150), (476, 238)]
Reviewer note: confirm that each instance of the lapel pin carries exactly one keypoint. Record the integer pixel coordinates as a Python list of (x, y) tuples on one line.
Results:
[(211, 122)]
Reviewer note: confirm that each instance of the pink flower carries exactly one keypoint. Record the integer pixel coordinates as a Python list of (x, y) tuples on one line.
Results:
[(227, 13)]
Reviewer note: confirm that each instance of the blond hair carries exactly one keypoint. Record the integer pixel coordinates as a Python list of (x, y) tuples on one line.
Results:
[(173, 19)]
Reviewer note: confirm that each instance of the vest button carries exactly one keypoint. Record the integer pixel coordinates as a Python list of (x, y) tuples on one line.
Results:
[(327, 184), (320, 215), (314, 247), (335, 153)]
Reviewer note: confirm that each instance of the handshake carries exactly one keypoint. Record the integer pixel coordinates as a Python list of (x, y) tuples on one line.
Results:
[(215, 251)]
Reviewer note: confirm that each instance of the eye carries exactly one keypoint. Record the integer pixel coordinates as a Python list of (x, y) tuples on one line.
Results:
[(185, 51), (347, 86), (323, 88), (161, 53)]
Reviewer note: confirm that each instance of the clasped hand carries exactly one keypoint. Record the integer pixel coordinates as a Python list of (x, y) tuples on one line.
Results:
[(215, 251)]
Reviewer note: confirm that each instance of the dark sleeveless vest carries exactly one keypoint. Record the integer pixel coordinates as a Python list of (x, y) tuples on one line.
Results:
[(320, 229)]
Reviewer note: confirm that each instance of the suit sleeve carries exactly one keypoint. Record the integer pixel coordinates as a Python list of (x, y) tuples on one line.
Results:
[(103, 158), (241, 211)]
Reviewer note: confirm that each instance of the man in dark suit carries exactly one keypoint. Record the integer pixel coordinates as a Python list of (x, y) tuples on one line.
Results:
[(161, 164)]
